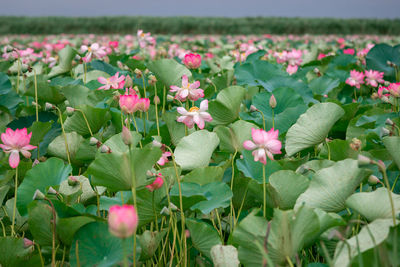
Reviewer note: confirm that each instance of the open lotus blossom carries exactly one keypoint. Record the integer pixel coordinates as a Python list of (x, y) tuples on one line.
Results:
[(281, 57), (122, 220), (164, 158), (394, 89), (15, 142), (195, 115), (145, 39), (93, 50), (356, 79), (263, 144), (188, 90), (157, 183), (192, 61), (114, 82), (373, 77), (294, 57)]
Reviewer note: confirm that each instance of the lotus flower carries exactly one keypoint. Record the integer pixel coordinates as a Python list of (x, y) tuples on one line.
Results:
[(356, 79), (265, 144), (122, 220), (164, 158), (131, 103), (192, 61), (188, 90), (158, 182), (195, 115), (394, 89), (291, 69), (15, 142), (95, 49), (114, 82), (373, 77), (349, 51)]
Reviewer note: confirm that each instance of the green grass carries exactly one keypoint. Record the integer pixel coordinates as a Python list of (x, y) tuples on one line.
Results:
[(197, 25)]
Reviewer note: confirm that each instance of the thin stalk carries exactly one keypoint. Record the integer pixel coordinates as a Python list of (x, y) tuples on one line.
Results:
[(133, 188), (36, 96), (273, 119), (385, 178), (40, 254), (154, 210), (15, 203), (145, 95), (125, 253), (231, 215), (134, 122), (164, 98), (19, 73), (65, 136), (264, 193), (263, 118), (77, 254), (329, 150), (53, 243), (86, 121), (156, 104), (85, 70)]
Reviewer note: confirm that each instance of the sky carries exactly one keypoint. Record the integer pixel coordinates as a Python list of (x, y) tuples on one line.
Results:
[(224, 8)]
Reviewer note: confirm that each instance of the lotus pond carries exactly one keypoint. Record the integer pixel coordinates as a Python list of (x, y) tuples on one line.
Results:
[(143, 150)]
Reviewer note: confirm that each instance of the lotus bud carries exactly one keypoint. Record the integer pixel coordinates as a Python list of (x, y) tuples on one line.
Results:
[(28, 243), (389, 122), (170, 98), (373, 180), (122, 220), (253, 108), (385, 132), (72, 181), (93, 141), (35, 162), (156, 100), (390, 64), (316, 70), (70, 111), (363, 160), (152, 80), (52, 191), (128, 81), (126, 136), (38, 195), (165, 211), (24, 68), (158, 182), (49, 106), (272, 102), (138, 73), (381, 165), (149, 173), (146, 71), (187, 233), (157, 143), (105, 149), (208, 80), (173, 207)]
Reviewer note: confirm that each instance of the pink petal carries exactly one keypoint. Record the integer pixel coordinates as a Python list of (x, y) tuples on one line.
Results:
[(204, 105), (249, 145), (14, 159), (182, 111), (185, 81)]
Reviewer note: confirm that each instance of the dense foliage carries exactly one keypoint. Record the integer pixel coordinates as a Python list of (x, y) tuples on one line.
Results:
[(199, 151), (197, 25)]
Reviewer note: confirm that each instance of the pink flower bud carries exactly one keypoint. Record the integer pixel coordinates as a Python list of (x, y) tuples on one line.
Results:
[(158, 182), (126, 136), (363, 160), (122, 220), (192, 61), (28, 243), (272, 101), (373, 180), (72, 181), (93, 141), (70, 110)]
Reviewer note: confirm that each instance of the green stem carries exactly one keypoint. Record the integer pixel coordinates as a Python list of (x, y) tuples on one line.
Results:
[(145, 95), (86, 121), (125, 253), (19, 73), (273, 119), (154, 210), (164, 99), (85, 70), (133, 188), (15, 203), (264, 193), (263, 118), (156, 104), (329, 150), (134, 122), (36, 96), (385, 178), (65, 136)]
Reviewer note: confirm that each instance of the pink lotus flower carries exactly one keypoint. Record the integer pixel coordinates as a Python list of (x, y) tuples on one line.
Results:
[(373, 77), (113, 82), (356, 79), (164, 158), (95, 49), (113, 44), (15, 142), (380, 92), (192, 61), (281, 57), (195, 115), (321, 56), (265, 144), (188, 90), (394, 89), (122, 220), (158, 183), (349, 51), (143, 104), (145, 39), (291, 69), (294, 57), (128, 103)]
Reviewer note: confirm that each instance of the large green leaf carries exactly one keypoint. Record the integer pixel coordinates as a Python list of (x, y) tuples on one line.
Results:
[(312, 127), (168, 71), (66, 55), (57, 147), (113, 170), (96, 118), (67, 227), (49, 173), (40, 223), (191, 151), (45, 91), (176, 129), (285, 187), (105, 250), (378, 57), (232, 137), (330, 187), (369, 237), (8, 97), (203, 236), (323, 85), (374, 205), (392, 144), (205, 175), (225, 108), (76, 94), (14, 253)]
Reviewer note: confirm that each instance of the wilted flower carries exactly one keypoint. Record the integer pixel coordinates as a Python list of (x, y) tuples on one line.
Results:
[(157, 183), (15, 142), (195, 115), (265, 144), (164, 158), (122, 220), (188, 90)]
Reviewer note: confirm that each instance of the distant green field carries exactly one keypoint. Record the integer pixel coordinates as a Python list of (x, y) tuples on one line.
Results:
[(197, 25)]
